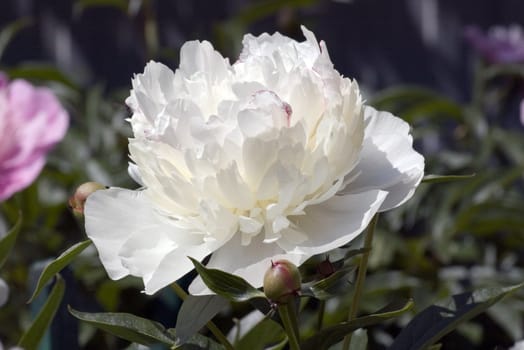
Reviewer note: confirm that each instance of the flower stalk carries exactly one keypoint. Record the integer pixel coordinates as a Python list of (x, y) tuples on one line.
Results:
[(361, 276), (210, 325), (289, 320), (321, 311)]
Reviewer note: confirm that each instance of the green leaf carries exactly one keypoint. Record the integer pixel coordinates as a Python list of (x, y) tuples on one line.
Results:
[(499, 70), (8, 241), (334, 334), (445, 178), (81, 5), (32, 337), (127, 326), (227, 285), (265, 334), (309, 269), (197, 342), (40, 71), (435, 347), (9, 32), (437, 320), (58, 264), (333, 285), (196, 311), (414, 102)]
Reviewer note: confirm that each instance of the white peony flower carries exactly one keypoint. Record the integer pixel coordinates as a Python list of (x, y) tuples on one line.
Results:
[(272, 157)]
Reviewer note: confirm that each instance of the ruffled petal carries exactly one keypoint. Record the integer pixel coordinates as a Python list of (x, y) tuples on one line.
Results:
[(132, 239), (333, 223), (388, 160)]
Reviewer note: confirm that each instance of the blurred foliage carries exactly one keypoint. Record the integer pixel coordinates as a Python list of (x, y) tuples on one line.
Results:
[(452, 237)]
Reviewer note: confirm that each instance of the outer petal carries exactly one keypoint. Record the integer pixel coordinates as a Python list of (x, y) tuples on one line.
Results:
[(36, 109), (333, 223), (133, 240), (249, 262), (388, 160), (14, 180)]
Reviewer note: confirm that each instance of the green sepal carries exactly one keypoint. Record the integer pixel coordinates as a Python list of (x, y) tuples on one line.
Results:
[(229, 286)]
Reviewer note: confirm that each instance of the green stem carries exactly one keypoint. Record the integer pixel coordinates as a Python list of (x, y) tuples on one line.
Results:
[(321, 310), (361, 276), (150, 30), (210, 325), (289, 319)]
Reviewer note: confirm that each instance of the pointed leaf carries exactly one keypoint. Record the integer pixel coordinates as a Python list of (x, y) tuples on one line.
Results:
[(33, 336), (437, 320), (334, 334), (41, 71), (82, 5), (195, 312), (435, 347), (227, 285), (445, 178), (309, 269), (58, 264), (197, 342), (127, 326), (8, 241), (333, 285)]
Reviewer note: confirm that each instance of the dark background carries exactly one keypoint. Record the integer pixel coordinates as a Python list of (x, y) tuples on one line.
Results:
[(379, 42)]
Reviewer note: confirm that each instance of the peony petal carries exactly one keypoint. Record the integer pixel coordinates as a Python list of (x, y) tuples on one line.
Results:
[(131, 238), (334, 222), (388, 160), (18, 178), (175, 265), (249, 262), (134, 172), (200, 57)]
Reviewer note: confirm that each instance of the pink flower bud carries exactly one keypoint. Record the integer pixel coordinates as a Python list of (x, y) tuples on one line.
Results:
[(77, 201), (282, 281)]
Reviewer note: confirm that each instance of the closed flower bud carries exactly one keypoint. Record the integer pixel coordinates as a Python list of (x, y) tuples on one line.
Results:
[(282, 281), (77, 201)]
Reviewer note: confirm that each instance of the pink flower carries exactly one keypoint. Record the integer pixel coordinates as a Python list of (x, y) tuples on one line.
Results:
[(32, 121), (499, 44)]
